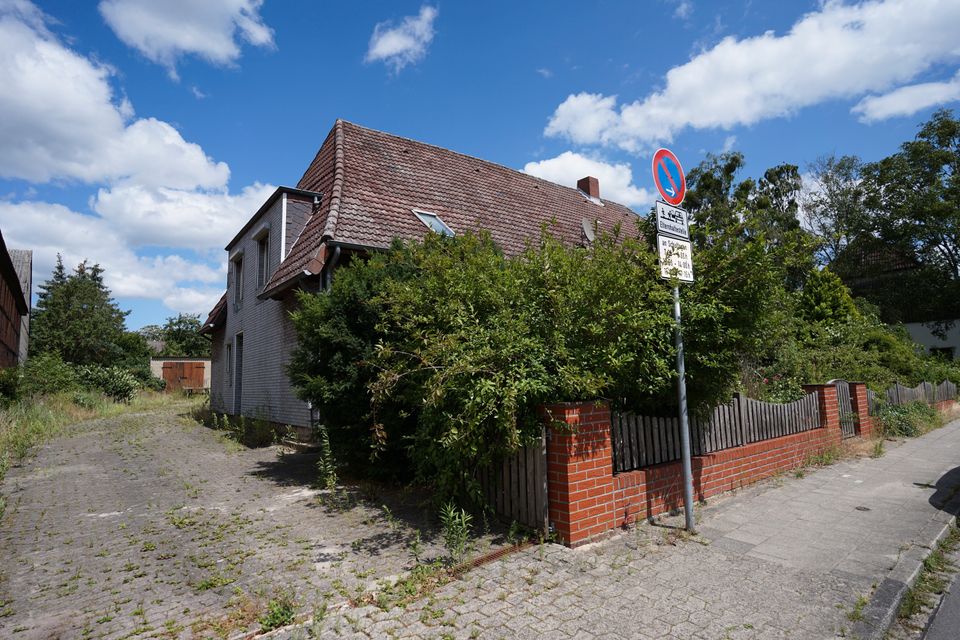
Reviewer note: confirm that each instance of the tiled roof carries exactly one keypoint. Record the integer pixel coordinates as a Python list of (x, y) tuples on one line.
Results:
[(371, 181), (217, 315)]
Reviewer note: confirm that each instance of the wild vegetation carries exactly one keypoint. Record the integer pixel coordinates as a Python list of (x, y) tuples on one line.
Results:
[(431, 359)]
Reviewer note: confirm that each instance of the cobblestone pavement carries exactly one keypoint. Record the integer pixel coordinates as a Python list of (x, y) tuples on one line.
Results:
[(798, 557), (151, 525)]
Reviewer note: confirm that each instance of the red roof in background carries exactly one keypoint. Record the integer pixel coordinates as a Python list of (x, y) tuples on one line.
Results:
[(371, 181), (216, 316)]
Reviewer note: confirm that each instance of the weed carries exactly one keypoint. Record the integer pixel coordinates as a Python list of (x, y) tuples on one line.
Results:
[(931, 580), (456, 530), (877, 448), (825, 458), (416, 546), (856, 614), (214, 581), (326, 465), (279, 613)]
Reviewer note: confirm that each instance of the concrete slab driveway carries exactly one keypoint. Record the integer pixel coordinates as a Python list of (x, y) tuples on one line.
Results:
[(152, 526)]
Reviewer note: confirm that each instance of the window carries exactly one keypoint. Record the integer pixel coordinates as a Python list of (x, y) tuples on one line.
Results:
[(238, 280), (263, 260), (229, 365), (434, 222)]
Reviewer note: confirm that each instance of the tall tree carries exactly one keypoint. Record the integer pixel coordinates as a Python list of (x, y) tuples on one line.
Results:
[(833, 204), (77, 318), (181, 336)]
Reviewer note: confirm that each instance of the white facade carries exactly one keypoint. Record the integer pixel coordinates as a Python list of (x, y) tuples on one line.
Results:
[(251, 350), (922, 333)]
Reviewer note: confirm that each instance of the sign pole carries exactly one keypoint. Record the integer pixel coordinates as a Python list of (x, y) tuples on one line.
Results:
[(684, 422)]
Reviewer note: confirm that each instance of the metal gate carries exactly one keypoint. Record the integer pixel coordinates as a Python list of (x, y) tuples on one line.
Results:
[(848, 420)]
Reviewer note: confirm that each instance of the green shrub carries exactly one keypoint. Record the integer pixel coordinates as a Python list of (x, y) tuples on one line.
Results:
[(456, 530), (146, 379), (47, 373), (256, 433), (114, 382), (908, 420), (11, 383)]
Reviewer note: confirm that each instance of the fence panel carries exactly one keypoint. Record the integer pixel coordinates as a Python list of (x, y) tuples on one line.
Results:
[(927, 392), (516, 488), (641, 441)]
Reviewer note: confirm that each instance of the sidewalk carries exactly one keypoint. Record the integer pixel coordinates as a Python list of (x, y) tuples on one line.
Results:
[(826, 555)]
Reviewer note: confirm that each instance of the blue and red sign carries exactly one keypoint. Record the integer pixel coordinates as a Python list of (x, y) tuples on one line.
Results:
[(668, 176)]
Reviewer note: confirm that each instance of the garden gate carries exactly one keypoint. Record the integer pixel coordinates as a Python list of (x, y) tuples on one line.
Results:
[(848, 419), (516, 488)]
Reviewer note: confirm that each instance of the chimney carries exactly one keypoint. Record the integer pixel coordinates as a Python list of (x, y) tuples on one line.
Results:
[(590, 186)]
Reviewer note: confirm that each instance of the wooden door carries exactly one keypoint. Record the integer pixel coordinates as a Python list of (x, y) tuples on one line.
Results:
[(173, 374)]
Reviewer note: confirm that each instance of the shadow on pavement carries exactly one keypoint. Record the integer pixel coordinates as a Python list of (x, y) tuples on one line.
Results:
[(947, 488)]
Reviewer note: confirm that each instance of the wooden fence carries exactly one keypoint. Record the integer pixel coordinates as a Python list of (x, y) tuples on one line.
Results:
[(640, 441), (516, 488), (927, 392)]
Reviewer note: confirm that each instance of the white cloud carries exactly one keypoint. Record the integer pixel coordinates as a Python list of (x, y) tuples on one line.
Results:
[(684, 9), (175, 218), (165, 31), (616, 179), (184, 285), (546, 73), (403, 44), (59, 118), (907, 100), (839, 51), (728, 143)]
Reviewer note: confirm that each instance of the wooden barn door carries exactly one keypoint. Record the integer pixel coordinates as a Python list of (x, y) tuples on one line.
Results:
[(173, 374)]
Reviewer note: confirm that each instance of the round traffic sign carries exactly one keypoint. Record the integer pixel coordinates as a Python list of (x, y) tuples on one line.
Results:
[(668, 176)]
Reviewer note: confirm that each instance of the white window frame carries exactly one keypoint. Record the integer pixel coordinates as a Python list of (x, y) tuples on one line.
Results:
[(426, 216)]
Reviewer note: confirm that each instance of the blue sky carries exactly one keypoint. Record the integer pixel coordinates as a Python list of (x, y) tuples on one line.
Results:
[(142, 134)]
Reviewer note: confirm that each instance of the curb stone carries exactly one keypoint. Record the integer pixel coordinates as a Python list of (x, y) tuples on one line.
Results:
[(880, 614)]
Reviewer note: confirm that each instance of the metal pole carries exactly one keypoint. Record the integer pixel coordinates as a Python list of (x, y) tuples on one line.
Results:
[(684, 422)]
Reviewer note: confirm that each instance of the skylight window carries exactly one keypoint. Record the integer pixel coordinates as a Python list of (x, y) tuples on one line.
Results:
[(434, 222)]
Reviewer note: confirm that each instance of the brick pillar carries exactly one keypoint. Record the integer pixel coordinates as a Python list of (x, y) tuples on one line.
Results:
[(829, 410), (860, 406), (579, 470)]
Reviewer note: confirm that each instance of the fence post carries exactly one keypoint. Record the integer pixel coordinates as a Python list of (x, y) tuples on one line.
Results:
[(860, 405), (579, 470)]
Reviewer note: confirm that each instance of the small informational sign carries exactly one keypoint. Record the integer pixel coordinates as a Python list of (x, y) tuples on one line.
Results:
[(668, 176), (676, 259), (672, 221)]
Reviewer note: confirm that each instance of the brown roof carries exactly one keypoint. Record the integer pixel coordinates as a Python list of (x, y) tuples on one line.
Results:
[(216, 316), (371, 181), (9, 273)]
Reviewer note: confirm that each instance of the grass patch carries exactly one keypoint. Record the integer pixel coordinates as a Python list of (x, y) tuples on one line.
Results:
[(932, 579), (279, 613), (825, 458), (856, 614)]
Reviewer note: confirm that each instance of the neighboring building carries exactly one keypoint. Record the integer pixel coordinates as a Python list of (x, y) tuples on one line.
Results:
[(188, 374), (23, 264), (13, 308), (363, 189)]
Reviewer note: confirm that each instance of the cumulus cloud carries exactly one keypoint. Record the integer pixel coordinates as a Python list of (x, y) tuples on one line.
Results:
[(61, 121), (59, 118), (399, 45), (838, 51), (616, 179), (165, 217), (165, 31), (50, 229), (906, 101)]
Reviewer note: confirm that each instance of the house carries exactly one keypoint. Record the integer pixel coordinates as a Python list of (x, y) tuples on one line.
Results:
[(23, 265), (14, 308), (182, 373), (363, 189), (883, 274)]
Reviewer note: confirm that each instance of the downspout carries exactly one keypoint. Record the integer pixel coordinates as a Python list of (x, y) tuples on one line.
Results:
[(328, 280)]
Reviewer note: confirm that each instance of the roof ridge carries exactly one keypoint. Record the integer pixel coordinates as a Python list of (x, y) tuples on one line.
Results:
[(330, 227), (475, 158)]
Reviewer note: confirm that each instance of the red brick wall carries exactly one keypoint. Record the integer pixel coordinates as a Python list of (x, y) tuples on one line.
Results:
[(860, 406), (579, 470), (587, 499)]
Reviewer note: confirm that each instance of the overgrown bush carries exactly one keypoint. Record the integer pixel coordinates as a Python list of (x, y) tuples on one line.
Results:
[(47, 373), (908, 420), (118, 384), (435, 356), (11, 382)]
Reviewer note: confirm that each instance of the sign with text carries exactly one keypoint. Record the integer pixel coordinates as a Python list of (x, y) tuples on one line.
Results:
[(672, 221), (676, 259)]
